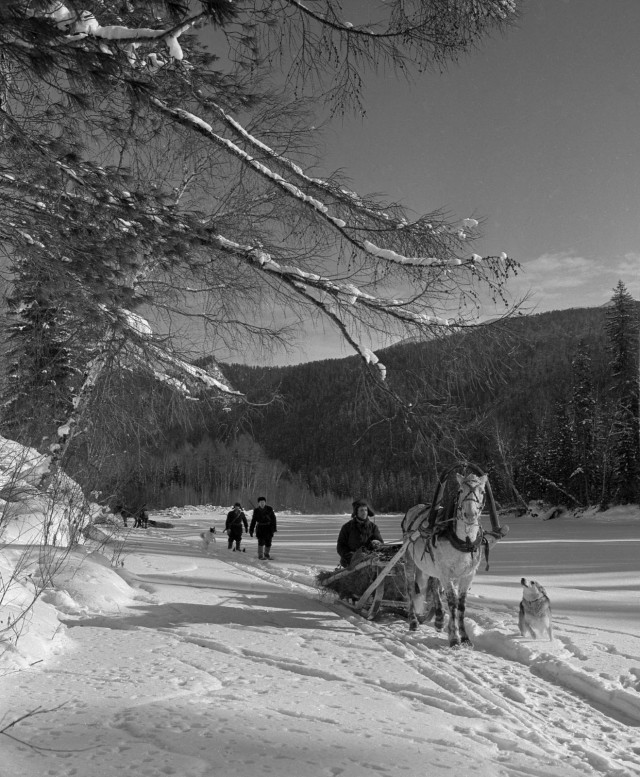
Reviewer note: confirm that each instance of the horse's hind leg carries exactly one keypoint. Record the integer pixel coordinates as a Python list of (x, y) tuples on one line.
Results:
[(415, 597), (434, 593)]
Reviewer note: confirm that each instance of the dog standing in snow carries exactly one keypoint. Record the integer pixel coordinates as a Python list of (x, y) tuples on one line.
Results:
[(208, 537), (535, 611)]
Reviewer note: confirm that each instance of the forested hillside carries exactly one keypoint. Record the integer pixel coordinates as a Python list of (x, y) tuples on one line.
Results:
[(530, 399), (547, 404)]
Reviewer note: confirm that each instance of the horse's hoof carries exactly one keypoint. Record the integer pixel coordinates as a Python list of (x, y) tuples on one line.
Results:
[(455, 644), (413, 626), (466, 643)]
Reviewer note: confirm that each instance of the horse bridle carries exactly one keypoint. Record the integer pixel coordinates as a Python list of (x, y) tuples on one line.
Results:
[(472, 496)]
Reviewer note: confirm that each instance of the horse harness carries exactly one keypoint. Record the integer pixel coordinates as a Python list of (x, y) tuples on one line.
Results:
[(432, 530)]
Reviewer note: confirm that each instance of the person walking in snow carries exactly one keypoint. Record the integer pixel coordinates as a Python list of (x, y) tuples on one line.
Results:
[(263, 522), (236, 519), (360, 533)]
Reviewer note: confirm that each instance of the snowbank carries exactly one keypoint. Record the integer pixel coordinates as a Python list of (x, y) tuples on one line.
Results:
[(160, 660)]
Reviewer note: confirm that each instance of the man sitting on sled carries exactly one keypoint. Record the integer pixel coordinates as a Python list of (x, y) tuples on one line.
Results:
[(359, 533)]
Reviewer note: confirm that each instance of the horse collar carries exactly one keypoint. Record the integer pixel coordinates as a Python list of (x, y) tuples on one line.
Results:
[(464, 546)]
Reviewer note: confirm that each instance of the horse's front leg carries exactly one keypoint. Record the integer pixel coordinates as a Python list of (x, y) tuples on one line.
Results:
[(435, 603), (454, 623), (464, 637)]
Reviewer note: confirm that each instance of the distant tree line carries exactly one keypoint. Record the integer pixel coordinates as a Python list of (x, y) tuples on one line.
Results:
[(546, 404), (213, 472)]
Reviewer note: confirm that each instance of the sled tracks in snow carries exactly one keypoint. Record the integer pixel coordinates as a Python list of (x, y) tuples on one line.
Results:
[(521, 699), (523, 704)]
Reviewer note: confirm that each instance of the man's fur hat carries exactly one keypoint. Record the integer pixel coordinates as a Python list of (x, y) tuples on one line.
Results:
[(362, 503)]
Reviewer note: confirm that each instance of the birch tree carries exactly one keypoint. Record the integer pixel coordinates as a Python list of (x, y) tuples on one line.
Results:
[(153, 162)]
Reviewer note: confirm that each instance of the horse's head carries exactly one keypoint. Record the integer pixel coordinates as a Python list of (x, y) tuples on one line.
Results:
[(471, 494)]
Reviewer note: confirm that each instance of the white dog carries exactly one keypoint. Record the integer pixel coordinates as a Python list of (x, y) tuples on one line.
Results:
[(208, 537)]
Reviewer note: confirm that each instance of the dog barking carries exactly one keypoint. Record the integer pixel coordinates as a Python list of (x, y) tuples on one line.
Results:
[(535, 611)]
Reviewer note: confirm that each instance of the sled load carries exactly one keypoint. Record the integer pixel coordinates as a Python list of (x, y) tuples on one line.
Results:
[(377, 577)]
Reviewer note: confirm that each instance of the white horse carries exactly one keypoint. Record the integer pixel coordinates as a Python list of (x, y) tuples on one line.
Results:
[(449, 550)]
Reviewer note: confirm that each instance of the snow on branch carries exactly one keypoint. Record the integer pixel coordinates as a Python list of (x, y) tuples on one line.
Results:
[(193, 372), (142, 347), (349, 292), (341, 294), (370, 358), (204, 128), (327, 309), (392, 256), (352, 198), (194, 122), (83, 24)]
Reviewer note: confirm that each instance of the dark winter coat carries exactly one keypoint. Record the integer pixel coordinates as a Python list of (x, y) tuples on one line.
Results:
[(354, 535), (235, 521), (263, 521)]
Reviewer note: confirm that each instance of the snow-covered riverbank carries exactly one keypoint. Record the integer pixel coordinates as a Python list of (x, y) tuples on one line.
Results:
[(192, 664)]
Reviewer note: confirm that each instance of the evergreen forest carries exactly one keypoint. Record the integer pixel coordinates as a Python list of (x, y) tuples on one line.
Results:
[(547, 404)]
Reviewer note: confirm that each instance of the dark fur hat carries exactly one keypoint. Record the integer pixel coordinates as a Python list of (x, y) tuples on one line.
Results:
[(362, 503)]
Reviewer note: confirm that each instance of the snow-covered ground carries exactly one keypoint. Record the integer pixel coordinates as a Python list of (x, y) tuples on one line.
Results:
[(182, 662)]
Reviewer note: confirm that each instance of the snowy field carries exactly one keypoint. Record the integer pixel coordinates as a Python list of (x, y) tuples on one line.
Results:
[(194, 664)]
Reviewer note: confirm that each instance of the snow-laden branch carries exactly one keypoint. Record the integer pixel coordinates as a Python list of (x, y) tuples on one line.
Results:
[(349, 293), (351, 198), (327, 310), (333, 293), (197, 124), (142, 346), (191, 371), (201, 126), (84, 24)]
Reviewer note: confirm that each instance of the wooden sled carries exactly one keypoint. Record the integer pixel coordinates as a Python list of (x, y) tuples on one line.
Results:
[(382, 566)]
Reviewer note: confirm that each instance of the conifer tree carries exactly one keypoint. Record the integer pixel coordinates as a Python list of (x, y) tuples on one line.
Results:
[(39, 343), (622, 328), (583, 410)]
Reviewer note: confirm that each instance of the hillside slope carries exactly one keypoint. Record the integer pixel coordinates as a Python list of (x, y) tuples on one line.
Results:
[(345, 435)]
